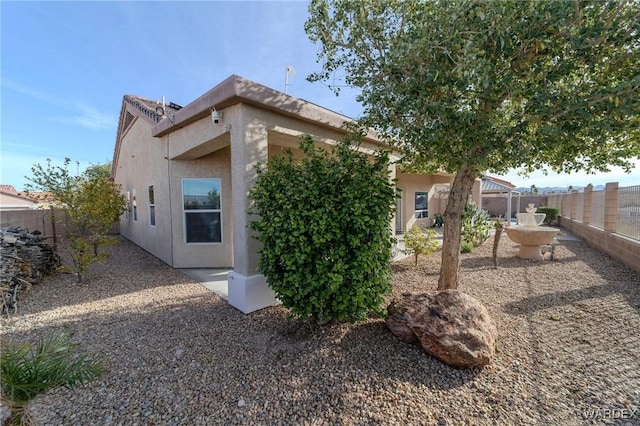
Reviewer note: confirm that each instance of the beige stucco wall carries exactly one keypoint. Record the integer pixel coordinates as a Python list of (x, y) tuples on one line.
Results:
[(141, 162), (10, 202), (228, 150), (410, 184), (202, 255)]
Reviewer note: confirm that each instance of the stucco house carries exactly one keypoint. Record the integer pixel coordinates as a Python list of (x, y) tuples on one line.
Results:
[(187, 170), (10, 199)]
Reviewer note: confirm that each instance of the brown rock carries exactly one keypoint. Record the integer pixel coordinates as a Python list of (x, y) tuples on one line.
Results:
[(397, 319), (450, 325)]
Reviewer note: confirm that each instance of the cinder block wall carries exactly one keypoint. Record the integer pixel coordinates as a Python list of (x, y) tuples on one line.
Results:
[(41, 220), (498, 205), (606, 240), (36, 220), (621, 248)]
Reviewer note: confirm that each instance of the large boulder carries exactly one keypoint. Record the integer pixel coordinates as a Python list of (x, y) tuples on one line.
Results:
[(450, 325)]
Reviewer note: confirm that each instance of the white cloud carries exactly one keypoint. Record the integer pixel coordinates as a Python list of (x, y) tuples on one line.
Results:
[(88, 117), (80, 113)]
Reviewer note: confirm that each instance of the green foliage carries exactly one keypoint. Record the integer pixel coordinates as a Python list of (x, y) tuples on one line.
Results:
[(476, 225), (466, 247), (82, 255), (470, 87), (418, 241), (551, 213), (324, 224), (93, 200), (29, 370)]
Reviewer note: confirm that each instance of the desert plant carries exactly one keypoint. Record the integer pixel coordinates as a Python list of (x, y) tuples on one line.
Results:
[(323, 221), (29, 370), (476, 226), (551, 214), (94, 201), (466, 247), (82, 255), (499, 227), (418, 241)]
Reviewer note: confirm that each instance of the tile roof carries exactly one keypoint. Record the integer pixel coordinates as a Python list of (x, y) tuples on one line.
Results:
[(34, 197), (151, 109), (8, 189)]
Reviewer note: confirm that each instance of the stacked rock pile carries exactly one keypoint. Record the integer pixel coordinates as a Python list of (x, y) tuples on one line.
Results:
[(24, 260)]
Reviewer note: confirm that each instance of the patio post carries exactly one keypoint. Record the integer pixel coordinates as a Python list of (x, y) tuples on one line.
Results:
[(248, 289)]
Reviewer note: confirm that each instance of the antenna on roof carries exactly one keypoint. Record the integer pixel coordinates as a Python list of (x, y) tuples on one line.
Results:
[(290, 71), (161, 111)]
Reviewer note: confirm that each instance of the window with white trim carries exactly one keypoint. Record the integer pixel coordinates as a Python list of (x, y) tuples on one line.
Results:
[(422, 205), (135, 206), (201, 203), (127, 212), (152, 207)]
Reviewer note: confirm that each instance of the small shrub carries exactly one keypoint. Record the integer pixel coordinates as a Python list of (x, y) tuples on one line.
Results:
[(466, 247), (476, 226), (82, 255), (418, 241), (323, 222), (29, 370), (551, 214)]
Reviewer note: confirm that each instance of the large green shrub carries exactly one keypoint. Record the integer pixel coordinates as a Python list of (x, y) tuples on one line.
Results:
[(324, 223), (551, 213), (476, 226), (418, 241)]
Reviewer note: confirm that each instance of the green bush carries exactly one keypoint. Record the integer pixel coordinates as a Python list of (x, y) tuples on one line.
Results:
[(551, 213), (476, 225), (418, 241), (323, 221), (466, 247), (29, 370)]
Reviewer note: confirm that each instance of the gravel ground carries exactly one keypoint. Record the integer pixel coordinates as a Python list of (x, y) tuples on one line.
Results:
[(177, 354)]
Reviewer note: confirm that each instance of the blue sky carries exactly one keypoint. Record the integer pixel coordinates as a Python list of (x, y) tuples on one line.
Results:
[(66, 65)]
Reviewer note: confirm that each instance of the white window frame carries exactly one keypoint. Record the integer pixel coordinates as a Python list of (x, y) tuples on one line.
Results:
[(421, 213), (127, 212), (152, 205), (135, 205), (185, 212)]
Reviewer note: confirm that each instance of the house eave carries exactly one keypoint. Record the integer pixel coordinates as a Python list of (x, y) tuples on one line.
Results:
[(236, 89)]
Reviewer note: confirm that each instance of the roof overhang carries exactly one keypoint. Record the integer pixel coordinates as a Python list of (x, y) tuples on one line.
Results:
[(235, 90)]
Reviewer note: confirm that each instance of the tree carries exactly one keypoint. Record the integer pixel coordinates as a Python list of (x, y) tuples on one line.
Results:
[(324, 223), (94, 202), (418, 241), (471, 87)]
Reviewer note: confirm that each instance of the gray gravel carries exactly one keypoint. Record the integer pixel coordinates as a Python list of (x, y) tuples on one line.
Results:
[(177, 354)]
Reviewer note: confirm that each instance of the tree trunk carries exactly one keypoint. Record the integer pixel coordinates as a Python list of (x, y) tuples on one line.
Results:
[(499, 227), (458, 199)]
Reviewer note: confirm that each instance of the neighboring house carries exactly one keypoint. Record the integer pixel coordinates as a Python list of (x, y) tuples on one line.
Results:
[(10, 199), (187, 170), (493, 188)]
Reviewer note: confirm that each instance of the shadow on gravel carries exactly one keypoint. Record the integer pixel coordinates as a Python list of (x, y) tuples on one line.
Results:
[(373, 350), (550, 300), (618, 280), (105, 280), (211, 356), (587, 330)]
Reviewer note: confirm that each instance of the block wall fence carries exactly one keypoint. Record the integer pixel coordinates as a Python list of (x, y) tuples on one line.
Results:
[(48, 222), (578, 211)]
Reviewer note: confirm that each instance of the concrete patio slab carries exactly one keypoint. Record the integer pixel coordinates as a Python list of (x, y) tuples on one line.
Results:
[(213, 279)]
